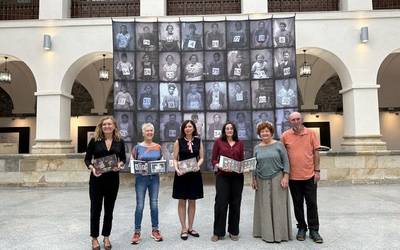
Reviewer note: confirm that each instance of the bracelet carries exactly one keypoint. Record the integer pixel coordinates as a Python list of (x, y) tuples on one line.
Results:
[(317, 170)]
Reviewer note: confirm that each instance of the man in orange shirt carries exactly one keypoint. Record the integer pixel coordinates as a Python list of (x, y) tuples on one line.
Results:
[(302, 147)]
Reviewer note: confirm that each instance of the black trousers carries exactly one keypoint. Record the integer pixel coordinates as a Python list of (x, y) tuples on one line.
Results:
[(305, 190), (104, 187), (228, 194)]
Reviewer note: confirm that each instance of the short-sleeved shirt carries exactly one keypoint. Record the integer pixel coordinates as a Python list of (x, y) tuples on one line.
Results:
[(301, 149)]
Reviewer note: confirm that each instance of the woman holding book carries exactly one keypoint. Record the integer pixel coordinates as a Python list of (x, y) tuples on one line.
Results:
[(228, 184), (188, 183), (106, 142), (271, 220), (147, 151)]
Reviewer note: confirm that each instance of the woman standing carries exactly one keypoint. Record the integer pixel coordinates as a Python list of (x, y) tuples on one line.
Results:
[(106, 141), (270, 180), (228, 185), (189, 186), (147, 151)]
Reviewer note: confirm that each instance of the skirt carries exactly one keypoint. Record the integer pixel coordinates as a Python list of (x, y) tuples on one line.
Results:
[(188, 186), (271, 220)]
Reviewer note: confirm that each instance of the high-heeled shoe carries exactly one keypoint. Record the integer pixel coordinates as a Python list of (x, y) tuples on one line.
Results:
[(97, 247), (107, 246)]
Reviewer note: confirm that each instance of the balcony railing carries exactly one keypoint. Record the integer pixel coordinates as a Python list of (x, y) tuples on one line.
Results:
[(19, 9), (202, 7), (302, 5), (385, 4), (105, 8)]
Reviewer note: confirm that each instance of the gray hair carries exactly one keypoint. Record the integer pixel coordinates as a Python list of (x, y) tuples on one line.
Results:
[(147, 125)]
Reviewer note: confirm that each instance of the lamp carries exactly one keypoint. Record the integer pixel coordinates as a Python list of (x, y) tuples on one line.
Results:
[(305, 69), (46, 42), (5, 76), (364, 37), (103, 72)]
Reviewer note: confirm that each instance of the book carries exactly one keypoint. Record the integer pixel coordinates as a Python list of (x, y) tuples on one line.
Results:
[(106, 164), (189, 165), (148, 167), (228, 164)]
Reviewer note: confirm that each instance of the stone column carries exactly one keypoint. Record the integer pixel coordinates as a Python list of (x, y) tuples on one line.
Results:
[(361, 119), (354, 5), (254, 6), (53, 123), (153, 7), (54, 9)]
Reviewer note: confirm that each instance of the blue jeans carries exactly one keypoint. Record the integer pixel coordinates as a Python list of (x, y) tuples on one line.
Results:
[(142, 183)]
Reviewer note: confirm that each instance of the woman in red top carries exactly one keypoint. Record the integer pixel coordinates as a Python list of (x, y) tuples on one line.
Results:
[(229, 185)]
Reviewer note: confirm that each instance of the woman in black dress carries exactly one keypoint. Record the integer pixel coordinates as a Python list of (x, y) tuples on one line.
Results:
[(106, 141), (188, 186)]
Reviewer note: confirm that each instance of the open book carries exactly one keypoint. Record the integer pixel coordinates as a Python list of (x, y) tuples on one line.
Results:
[(189, 165), (148, 167), (106, 164), (228, 164)]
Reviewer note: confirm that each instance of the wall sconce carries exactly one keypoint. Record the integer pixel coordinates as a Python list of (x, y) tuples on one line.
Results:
[(5, 75), (305, 69), (364, 37), (103, 72), (46, 42)]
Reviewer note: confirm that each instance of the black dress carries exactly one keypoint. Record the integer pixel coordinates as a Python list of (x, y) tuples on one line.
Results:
[(190, 185)]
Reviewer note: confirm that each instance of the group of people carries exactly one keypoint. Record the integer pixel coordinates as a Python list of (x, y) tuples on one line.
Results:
[(291, 163)]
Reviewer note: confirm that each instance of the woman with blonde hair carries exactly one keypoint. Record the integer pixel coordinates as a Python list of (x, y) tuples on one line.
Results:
[(106, 142)]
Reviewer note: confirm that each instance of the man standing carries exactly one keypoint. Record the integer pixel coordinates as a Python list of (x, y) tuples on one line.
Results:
[(302, 147)]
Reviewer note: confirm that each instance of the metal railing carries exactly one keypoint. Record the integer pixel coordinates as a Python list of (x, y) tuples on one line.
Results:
[(302, 5), (19, 9), (202, 7), (104, 8)]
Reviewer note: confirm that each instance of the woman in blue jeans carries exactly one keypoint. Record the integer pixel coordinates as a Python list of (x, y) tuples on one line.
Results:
[(147, 151)]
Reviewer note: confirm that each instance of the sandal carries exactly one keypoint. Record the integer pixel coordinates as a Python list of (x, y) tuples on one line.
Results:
[(193, 233), (184, 235), (107, 246), (95, 244)]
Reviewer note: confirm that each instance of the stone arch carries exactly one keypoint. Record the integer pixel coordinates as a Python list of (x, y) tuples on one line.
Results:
[(388, 77), (328, 98), (82, 103), (6, 104)]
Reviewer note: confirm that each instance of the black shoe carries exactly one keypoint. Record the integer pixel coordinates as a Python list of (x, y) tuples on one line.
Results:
[(314, 235), (301, 234)]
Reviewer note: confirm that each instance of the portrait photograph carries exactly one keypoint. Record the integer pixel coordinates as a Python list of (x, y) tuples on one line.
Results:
[(286, 93), (282, 121), (237, 34), (192, 35), (147, 96), (128, 153), (124, 67), (261, 64), (169, 67), (124, 36), (214, 33), (215, 66), (207, 165), (147, 66), (216, 96), (147, 117), (170, 125), (199, 121), (193, 66), (146, 35), (283, 32), (263, 96), (214, 124), (285, 63), (262, 116), (242, 121), (167, 150), (169, 35), (125, 125), (238, 65), (248, 149), (239, 95), (261, 34), (193, 96), (170, 96), (124, 96)]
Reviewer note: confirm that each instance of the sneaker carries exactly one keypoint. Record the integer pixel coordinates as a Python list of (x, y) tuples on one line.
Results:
[(135, 238), (155, 234), (301, 234), (214, 238), (234, 237), (314, 235)]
